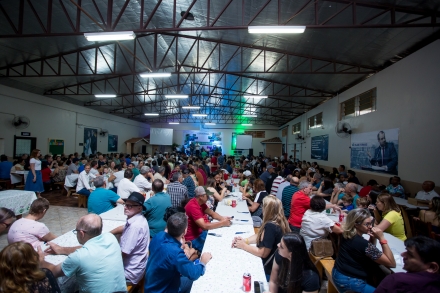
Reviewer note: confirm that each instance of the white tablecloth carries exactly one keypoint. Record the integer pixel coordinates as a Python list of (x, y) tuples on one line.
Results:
[(116, 214), (224, 273), (404, 202), (229, 211), (17, 200), (68, 285), (17, 177)]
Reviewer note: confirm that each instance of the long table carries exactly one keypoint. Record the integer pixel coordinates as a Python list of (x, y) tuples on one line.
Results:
[(404, 202), (227, 266), (17, 200)]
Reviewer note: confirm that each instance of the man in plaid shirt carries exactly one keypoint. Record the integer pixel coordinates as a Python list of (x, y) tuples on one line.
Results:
[(177, 190)]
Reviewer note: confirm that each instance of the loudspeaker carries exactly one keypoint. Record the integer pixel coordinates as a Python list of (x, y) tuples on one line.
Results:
[(251, 152)]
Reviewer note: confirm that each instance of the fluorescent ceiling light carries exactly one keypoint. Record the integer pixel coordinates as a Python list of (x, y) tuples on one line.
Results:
[(255, 97), (191, 107), (276, 29), (173, 123), (246, 124), (155, 74), (176, 96), (210, 123), (105, 96), (247, 115), (112, 36), (200, 115), (151, 114)]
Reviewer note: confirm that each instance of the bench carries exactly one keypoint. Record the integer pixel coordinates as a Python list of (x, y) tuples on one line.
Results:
[(20, 187), (328, 264), (316, 260), (70, 191), (82, 200)]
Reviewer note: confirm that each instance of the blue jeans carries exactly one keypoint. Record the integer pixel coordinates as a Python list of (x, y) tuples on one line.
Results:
[(199, 242), (344, 283), (84, 191)]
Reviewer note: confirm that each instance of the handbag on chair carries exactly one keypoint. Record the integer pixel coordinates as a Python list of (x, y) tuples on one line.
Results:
[(321, 247)]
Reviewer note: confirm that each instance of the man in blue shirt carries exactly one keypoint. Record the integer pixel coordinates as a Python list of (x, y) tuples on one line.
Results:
[(167, 261), (155, 208), (267, 174), (5, 167), (102, 200), (189, 183)]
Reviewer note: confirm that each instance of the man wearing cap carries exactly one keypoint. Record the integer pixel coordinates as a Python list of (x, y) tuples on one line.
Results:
[(155, 208), (189, 183), (246, 175), (196, 209), (141, 180), (267, 174), (135, 238), (102, 200)]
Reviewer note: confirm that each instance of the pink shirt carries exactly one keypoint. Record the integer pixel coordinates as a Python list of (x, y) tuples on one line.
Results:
[(29, 231)]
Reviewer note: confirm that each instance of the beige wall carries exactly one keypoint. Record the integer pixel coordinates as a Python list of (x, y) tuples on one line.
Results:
[(273, 149)]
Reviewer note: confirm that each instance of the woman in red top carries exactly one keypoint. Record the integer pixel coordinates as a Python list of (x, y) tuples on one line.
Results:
[(300, 204), (45, 174)]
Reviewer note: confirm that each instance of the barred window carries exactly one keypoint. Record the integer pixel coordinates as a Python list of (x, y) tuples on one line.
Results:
[(359, 105), (296, 128), (315, 121)]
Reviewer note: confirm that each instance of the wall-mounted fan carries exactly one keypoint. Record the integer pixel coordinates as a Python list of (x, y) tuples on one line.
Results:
[(299, 137), (21, 122), (343, 129), (103, 132)]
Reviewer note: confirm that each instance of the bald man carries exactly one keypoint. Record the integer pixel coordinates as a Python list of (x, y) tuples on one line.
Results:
[(288, 193), (350, 189), (427, 192), (92, 263)]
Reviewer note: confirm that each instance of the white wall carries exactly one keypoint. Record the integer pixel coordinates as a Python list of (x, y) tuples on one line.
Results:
[(50, 118), (226, 129), (408, 97)]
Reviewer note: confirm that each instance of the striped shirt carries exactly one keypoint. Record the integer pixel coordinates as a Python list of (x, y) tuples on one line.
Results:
[(275, 185), (177, 192), (287, 198)]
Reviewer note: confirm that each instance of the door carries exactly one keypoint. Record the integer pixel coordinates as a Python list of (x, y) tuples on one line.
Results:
[(24, 145)]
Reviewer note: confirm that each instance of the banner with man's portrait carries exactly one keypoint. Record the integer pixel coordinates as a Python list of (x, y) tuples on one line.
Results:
[(376, 151)]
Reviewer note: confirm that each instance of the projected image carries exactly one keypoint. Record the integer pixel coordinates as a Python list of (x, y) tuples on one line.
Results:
[(161, 136), (195, 142)]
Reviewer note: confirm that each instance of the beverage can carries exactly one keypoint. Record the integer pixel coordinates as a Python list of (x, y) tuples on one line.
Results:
[(234, 203), (246, 282), (341, 217)]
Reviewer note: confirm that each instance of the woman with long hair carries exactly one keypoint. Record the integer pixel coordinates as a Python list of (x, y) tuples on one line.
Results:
[(273, 228), (167, 168), (21, 272), (391, 220), (325, 189), (293, 271), (34, 181), (259, 190), (6, 219), (358, 258), (218, 196), (432, 215)]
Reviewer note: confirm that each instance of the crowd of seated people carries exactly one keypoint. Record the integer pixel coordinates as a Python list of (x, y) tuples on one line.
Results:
[(289, 196)]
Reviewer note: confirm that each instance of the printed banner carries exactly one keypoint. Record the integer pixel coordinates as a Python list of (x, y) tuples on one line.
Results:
[(319, 147), (112, 143), (90, 141), (375, 151), (195, 141)]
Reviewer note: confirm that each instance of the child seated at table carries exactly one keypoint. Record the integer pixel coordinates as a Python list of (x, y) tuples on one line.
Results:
[(347, 201), (362, 203)]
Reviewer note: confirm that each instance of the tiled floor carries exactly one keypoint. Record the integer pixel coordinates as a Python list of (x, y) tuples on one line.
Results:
[(58, 219)]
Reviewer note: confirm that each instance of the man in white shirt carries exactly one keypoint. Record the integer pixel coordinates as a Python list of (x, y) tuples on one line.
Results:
[(159, 175), (428, 192), (281, 187), (141, 179), (84, 178), (94, 169), (125, 186)]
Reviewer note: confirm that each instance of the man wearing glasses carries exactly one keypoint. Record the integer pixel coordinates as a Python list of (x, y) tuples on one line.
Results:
[(97, 264), (135, 238)]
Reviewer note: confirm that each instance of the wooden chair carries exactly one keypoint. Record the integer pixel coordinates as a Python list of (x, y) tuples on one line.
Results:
[(421, 228), (6, 183), (328, 265), (406, 221), (20, 187), (82, 200), (71, 190), (139, 288)]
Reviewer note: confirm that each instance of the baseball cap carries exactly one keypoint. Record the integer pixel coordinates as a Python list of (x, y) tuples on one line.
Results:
[(202, 190), (186, 171), (247, 173), (269, 167), (137, 198)]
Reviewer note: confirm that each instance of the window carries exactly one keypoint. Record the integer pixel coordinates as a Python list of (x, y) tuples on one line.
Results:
[(296, 128), (256, 134), (284, 132), (315, 121), (359, 105)]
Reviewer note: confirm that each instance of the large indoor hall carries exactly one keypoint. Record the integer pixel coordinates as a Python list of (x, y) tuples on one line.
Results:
[(193, 146)]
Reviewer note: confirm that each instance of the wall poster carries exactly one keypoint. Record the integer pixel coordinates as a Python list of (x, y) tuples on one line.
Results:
[(376, 151), (319, 147), (90, 141), (112, 143)]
